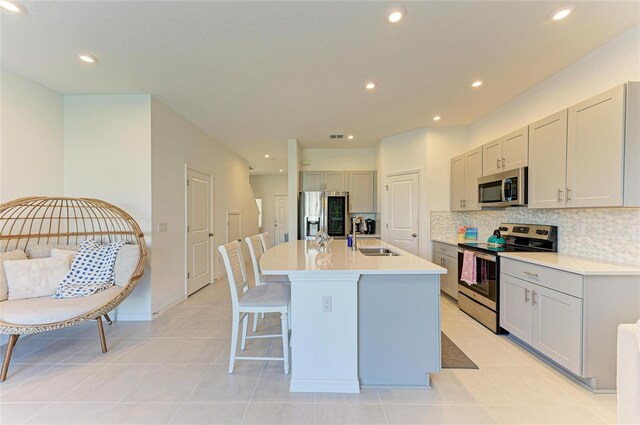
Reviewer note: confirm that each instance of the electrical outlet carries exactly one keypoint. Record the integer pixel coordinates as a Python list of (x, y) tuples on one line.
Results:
[(326, 304), (582, 228), (163, 227), (635, 232)]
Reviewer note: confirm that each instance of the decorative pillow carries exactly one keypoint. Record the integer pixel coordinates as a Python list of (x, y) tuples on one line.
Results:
[(34, 278), (126, 263), (4, 256), (92, 270), (44, 251), (64, 255)]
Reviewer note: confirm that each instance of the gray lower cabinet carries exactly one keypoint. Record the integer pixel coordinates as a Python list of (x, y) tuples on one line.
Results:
[(570, 318), (446, 255)]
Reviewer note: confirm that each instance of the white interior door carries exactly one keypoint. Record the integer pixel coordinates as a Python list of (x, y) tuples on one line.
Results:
[(199, 231), (234, 227), (281, 218), (403, 211)]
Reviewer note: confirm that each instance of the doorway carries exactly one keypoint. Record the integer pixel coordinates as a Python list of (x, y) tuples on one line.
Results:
[(403, 210), (234, 227), (280, 219), (199, 230)]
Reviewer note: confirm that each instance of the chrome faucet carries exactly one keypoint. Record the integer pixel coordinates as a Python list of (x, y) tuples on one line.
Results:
[(354, 247)]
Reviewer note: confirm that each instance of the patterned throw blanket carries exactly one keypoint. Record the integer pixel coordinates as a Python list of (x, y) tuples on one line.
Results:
[(92, 270)]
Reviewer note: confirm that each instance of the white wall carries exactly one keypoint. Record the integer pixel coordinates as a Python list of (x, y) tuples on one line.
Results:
[(614, 63), (176, 143), (266, 188), (339, 159), (403, 152), (429, 151), (107, 155), (31, 146)]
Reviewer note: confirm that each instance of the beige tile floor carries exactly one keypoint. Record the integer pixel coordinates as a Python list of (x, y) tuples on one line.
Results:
[(174, 370)]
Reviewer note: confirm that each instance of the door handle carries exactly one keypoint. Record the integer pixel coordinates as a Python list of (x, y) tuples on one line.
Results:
[(210, 235), (414, 235), (533, 298), (239, 240), (526, 295), (568, 194), (498, 163), (503, 161), (560, 195), (531, 274)]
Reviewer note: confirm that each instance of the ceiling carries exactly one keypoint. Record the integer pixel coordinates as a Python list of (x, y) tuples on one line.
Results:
[(254, 74)]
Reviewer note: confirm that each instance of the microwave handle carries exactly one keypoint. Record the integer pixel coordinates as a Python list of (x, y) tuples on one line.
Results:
[(504, 198)]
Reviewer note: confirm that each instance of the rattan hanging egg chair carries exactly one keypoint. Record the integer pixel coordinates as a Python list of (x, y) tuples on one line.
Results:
[(42, 223)]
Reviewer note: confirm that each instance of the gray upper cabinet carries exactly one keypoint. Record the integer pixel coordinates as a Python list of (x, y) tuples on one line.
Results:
[(595, 151), (333, 181), (362, 191), (492, 157), (515, 149), (465, 170), (473, 171), (588, 155), (547, 161), (311, 181), (506, 153)]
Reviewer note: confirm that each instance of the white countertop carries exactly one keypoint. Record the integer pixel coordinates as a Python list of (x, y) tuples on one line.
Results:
[(303, 256), (451, 241), (366, 236), (572, 264)]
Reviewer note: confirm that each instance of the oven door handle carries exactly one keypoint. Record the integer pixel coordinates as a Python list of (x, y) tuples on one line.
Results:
[(481, 255)]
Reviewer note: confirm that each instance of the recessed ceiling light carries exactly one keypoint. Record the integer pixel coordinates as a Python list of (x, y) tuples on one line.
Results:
[(370, 85), (350, 137), (437, 118), (476, 83), (86, 57), (267, 156), (396, 14), (12, 7), (561, 13)]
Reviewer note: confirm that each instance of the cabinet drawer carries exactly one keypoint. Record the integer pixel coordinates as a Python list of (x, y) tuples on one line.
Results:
[(568, 283), (445, 249)]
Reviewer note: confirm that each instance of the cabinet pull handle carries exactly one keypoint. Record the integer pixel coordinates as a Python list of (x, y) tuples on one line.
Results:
[(464, 203), (533, 298), (503, 161), (526, 295), (531, 274), (568, 194), (498, 163), (559, 195)]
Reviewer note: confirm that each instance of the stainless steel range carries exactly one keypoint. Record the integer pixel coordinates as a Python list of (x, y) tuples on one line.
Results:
[(479, 297)]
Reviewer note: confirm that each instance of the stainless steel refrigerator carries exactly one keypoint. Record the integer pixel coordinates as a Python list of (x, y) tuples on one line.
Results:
[(326, 211)]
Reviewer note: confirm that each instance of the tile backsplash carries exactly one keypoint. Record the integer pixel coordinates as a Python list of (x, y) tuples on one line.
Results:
[(603, 234)]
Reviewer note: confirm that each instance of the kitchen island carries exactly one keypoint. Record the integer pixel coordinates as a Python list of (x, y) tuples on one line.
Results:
[(359, 319)]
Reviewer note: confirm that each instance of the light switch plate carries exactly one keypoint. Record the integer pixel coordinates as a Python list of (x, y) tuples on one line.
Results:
[(163, 227), (326, 304)]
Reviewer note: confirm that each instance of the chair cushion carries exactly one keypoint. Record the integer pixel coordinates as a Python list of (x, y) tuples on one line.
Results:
[(272, 295), (39, 311), (35, 278), (6, 256), (274, 278), (126, 263)]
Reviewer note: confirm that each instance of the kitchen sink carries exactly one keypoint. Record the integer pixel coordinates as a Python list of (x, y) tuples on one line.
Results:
[(378, 252)]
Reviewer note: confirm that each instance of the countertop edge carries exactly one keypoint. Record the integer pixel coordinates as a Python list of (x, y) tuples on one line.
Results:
[(453, 242), (624, 269)]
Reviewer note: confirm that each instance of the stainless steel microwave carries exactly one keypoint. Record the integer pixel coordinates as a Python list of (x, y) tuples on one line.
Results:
[(506, 189)]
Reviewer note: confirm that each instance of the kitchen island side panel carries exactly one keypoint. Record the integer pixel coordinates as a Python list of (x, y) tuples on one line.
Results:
[(399, 329)]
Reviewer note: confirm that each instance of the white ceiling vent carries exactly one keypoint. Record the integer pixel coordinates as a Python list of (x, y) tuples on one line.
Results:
[(336, 136)]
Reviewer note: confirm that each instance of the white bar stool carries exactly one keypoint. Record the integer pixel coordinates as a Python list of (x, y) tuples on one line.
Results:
[(272, 298), (266, 241), (256, 250)]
